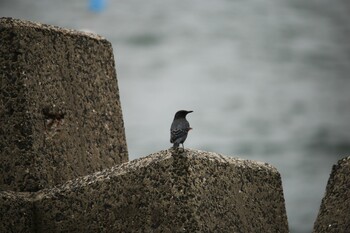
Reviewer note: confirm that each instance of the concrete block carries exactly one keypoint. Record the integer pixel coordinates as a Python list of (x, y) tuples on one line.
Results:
[(334, 214), (60, 112), (16, 212), (169, 191)]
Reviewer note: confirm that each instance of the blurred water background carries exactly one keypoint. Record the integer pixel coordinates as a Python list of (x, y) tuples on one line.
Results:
[(267, 80)]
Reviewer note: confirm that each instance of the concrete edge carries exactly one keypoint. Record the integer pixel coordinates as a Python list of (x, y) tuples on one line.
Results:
[(12, 22)]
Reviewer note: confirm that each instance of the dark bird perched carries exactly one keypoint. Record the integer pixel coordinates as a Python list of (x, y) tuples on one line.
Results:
[(179, 128)]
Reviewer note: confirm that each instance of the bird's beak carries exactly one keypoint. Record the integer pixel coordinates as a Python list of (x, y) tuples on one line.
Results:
[(189, 111)]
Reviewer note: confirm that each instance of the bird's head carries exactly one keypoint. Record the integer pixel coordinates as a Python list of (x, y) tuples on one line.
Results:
[(181, 114)]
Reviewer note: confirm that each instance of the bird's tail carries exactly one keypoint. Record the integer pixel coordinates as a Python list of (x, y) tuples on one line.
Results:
[(176, 145)]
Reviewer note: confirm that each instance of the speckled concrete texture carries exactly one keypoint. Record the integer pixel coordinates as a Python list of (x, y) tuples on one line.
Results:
[(16, 212), (60, 113), (169, 191), (334, 214)]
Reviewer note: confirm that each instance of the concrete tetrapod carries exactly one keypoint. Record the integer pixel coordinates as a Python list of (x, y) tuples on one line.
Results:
[(169, 191)]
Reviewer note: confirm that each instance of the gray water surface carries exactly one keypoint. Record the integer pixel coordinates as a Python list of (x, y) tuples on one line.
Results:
[(267, 80)]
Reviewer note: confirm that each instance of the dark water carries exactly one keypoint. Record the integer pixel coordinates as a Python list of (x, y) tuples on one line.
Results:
[(267, 80)]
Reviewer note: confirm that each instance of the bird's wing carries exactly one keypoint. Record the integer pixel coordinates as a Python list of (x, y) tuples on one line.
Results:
[(179, 131)]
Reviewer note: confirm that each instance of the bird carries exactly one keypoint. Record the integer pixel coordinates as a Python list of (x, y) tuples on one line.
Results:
[(179, 128)]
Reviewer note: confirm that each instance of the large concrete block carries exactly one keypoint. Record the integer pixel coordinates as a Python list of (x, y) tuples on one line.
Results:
[(60, 113), (334, 214), (169, 191)]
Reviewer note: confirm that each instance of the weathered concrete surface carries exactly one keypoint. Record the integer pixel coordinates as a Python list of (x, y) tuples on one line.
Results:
[(16, 212), (60, 113), (190, 191), (334, 214)]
